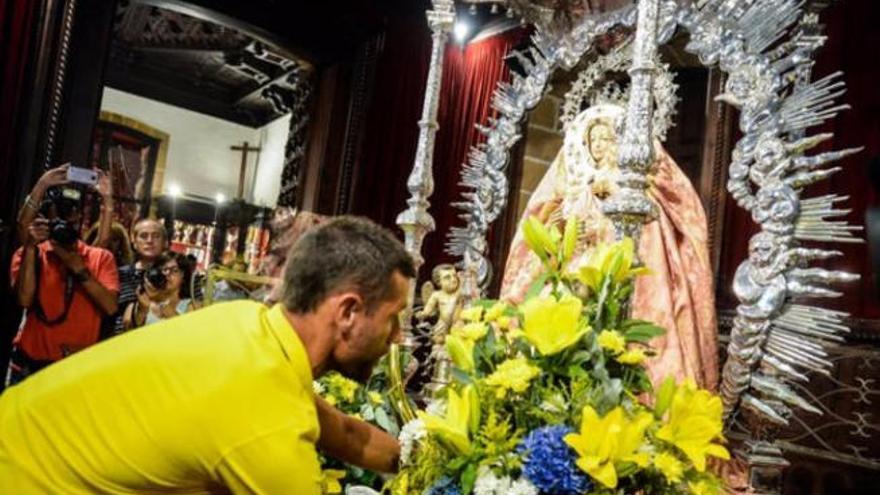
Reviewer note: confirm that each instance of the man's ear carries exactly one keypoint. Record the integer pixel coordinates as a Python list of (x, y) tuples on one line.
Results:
[(348, 305)]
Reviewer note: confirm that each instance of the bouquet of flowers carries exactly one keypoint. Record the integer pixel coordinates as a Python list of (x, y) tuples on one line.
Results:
[(552, 396), (363, 402)]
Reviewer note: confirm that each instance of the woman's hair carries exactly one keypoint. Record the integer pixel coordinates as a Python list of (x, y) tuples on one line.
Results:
[(186, 271), (119, 244)]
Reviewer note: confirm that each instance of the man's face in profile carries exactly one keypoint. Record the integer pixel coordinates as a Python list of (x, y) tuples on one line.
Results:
[(372, 333)]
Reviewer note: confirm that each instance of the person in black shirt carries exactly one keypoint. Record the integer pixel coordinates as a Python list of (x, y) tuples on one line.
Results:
[(149, 239)]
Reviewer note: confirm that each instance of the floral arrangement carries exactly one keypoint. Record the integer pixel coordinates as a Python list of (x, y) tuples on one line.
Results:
[(363, 402), (552, 396)]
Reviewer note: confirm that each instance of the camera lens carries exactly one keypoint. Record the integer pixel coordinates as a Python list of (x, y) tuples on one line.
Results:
[(156, 278), (62, 232)]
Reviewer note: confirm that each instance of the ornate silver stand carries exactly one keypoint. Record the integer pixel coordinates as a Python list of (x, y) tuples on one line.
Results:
[(415, 221), (629, 208)]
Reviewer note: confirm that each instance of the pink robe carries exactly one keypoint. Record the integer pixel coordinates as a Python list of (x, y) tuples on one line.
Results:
[(678, 294)]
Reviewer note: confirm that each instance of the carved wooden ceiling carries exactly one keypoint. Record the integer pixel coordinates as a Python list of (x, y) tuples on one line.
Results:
[(202, 66), (239, 61)]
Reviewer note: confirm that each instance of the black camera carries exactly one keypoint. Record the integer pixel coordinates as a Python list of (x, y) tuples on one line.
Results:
[(62, 232), (156, 278), (59, 206)]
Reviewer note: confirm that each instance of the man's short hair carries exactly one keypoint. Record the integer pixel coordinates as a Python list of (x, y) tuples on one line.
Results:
[(140, 223), (345, 253)]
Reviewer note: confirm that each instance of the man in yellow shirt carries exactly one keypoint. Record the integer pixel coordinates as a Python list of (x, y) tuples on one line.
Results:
[(219, 399)]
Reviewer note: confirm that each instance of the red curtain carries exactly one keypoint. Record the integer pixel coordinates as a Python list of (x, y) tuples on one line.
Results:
[(470, 76), (851, 47)]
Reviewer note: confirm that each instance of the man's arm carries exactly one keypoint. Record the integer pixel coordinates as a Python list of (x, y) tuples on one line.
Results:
[(354, 441), (104, 296), (24, 271), (105, 221), (28, 211)]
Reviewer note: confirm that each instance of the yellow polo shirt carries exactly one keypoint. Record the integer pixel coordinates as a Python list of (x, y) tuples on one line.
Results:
[(220, 397)]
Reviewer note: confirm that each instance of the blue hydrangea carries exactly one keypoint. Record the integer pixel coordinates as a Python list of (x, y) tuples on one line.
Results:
[(444, 486), (549, 463)]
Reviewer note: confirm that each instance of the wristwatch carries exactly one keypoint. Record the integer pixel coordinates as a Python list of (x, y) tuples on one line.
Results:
[(82, 276)]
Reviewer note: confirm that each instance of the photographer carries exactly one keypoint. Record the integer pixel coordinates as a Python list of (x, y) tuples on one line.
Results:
[(164, 292), (65, 285), (149, 241)]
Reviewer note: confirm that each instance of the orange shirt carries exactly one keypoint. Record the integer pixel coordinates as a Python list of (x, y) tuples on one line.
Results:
[(82, 326)]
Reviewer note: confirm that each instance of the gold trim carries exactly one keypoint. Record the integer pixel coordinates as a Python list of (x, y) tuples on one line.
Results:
[(161, 155)]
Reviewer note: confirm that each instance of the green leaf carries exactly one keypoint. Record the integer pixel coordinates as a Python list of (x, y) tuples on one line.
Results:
[(664, 396), (461, 376), (468, 478), (537, 286), (643, 332), (384, 421)]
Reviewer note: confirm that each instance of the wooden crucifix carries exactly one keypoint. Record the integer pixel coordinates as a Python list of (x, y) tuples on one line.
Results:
[(245, 149)]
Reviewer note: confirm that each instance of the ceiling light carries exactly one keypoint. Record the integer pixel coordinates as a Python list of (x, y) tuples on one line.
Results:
[(174, 190), (461, 30), (220, 198)]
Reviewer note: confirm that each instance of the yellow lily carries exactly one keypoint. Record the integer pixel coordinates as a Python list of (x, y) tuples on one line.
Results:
[(694, 424), (553, 325), (540, 240), (462, 418), (605, 442), (330, 481), (569, 238), (461, 351), (470, 331), (612, 260), (472, 314)]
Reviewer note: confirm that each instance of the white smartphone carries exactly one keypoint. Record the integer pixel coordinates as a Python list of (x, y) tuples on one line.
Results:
[(80, 175)]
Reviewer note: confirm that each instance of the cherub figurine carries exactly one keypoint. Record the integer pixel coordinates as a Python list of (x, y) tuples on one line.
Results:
[(443, 300)]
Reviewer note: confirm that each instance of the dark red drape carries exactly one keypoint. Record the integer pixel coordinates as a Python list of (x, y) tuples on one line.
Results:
[(17, 25), (852, 47), (470, 76)]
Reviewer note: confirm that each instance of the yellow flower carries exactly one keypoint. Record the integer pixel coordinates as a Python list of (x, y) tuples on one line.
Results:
[(331, 400), (472, 314), (670, 466), (632, 356), (612, 340), (375, 398), (343, 387), (703, 487), (512, 375), (471, 331), (614, 260), (552, 326), (605, 442), (461, 351), (694, 423), (330, 481), (540, 240), (495, 311), (503, 322), (462, 418)]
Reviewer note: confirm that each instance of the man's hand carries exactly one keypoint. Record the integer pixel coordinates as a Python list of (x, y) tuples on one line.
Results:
[(70, 258), (104, 186), (54, 177), (38, 231)]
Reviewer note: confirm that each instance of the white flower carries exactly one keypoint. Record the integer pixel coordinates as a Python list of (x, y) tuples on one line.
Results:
[(318, 387), (409, 435), (523, 486), (489, 484)]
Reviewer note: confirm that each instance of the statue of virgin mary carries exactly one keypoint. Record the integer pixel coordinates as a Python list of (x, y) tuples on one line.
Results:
[(678, 293)]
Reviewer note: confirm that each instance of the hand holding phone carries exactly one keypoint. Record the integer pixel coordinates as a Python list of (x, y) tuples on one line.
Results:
[(80, 175)]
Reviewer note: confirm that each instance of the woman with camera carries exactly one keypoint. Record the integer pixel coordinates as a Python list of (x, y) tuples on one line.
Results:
[(164, 292)]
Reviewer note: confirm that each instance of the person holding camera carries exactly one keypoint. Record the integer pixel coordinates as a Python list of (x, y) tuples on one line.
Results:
[(65, 285), (164, 292)]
